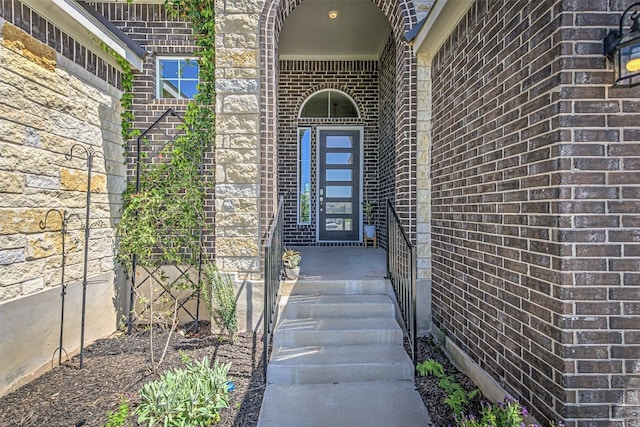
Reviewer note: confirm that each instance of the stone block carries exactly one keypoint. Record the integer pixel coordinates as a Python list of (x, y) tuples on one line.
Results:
[(11, 274), (237, 219), (238, 264), (230, 124), (245, 6), (236, 156), (242, 41), (32, 286), (12, 132), (237, 205), (14, 241), (11, 182), (240, 104), (22, 43), (236, 86), (244, 141), (237, 58), (12, 256), (43, 181), (45, 245), (14, 221), (237, 247), (76, 180), (239, 73), (237, 24), (242, 174), (9, 292), (237, 190)]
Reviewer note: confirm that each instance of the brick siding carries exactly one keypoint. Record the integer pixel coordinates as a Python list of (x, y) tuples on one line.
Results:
[(161, 34), (401, 15), (535, 207)]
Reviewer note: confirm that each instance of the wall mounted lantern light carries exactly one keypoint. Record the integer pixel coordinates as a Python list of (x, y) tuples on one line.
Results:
[(623, 49)]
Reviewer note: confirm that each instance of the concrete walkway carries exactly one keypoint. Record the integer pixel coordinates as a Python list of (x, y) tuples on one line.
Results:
[(338, 357)]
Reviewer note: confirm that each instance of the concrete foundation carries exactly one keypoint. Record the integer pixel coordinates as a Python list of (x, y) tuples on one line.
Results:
[(30, 327)]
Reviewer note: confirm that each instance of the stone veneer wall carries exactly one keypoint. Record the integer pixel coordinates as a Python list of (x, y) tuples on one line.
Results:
[(48, 104), (536, 207), (299, 80)]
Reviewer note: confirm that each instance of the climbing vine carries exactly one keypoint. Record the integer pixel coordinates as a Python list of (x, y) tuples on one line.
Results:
[(161, 220)]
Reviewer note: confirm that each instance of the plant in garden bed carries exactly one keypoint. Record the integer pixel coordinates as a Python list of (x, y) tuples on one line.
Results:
[(192, 396), (119, 417), (457, 398), (220, 299), (162, 220)]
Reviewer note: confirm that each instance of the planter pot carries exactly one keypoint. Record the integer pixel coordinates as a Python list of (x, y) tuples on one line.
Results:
[(292, 273), (370, 231)]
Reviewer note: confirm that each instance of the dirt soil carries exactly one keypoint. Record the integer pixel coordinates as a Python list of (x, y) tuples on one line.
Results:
[(118, 366)]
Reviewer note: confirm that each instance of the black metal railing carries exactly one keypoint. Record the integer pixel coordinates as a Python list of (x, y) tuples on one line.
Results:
[(273, 250), (401, 270)]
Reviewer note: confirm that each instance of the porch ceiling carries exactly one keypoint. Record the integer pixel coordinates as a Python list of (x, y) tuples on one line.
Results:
[(359, 31)]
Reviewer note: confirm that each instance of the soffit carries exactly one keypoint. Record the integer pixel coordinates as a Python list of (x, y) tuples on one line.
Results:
[(359, 32)]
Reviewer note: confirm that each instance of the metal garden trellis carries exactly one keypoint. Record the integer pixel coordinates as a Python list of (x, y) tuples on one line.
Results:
[(161, 133)]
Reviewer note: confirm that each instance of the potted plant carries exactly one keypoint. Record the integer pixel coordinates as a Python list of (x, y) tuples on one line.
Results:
[(291, 263), (369, 208)]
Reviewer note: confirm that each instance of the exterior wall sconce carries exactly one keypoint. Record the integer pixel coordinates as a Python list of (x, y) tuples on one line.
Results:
[(624, 49)]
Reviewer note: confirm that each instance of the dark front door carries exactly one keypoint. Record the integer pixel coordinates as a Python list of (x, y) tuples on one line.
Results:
[(339, 172)]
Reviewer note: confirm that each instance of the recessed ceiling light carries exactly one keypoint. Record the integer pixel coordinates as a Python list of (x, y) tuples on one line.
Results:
[(333, 14)]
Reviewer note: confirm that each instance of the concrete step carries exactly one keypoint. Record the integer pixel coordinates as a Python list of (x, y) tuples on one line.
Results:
[(338, 364), (337, 287), (337, 331), (361, 306), (372, 404)]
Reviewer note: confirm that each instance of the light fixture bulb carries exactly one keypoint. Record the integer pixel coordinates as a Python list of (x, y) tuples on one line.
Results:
[(333, 14), (633, 65)]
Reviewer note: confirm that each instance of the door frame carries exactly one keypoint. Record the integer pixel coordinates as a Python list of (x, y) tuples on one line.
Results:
[(360, 130)]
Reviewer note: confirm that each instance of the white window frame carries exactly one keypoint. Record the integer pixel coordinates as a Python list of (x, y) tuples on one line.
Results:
[(159, 77)]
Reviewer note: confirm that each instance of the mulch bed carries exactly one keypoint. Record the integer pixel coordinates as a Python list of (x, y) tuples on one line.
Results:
[(118, 366), (432, 395)]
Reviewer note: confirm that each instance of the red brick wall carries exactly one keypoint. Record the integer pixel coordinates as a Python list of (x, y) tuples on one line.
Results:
[(535, 207)]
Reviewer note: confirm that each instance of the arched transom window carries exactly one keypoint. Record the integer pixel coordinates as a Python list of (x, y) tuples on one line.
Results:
[(329, 103)]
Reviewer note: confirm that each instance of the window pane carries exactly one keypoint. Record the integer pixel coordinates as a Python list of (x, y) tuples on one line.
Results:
[(304, 176), (177, 78), (338, 174), (337, 208), (170, 89), (189, 69), (188, 88), (338, 224), (341, 141), (339, 158), (339, 191), (169, 68)]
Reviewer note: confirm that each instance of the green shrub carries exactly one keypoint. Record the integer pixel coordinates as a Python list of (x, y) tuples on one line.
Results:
[(119, 417), (220, 298), (192, 396)]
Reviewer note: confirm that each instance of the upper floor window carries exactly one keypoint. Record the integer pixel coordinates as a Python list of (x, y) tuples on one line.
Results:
[(177, 78), (329, 103)]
